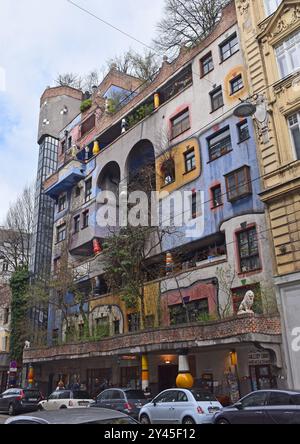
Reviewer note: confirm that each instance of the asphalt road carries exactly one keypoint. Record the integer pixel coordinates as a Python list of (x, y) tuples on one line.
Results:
[(3, 418)]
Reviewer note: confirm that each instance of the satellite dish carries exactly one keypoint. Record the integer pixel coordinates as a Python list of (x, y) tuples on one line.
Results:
[(245, 109)]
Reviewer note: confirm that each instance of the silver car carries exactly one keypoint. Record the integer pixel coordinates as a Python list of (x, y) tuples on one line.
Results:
[(180, 406)]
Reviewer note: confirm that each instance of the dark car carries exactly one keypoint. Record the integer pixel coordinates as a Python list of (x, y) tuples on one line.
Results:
[(75, 416), (15, 401), (128, 401), (263, 407)]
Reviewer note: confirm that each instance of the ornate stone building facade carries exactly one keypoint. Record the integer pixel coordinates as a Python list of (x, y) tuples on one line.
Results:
[(270, 34)]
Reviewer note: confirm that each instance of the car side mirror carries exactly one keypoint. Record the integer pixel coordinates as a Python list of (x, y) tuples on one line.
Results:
[(239, 406), (154, 403)]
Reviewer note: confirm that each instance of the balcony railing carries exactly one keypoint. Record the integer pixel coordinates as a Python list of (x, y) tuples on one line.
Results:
[(66, 178)]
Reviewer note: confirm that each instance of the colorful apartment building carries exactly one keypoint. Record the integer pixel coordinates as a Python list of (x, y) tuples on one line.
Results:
[(185, 116)]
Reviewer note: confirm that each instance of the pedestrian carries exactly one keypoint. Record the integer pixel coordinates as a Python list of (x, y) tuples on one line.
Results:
[(61, 386)]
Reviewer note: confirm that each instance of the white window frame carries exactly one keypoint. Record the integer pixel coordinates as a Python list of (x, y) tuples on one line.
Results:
[(283, 54), (291, 126)]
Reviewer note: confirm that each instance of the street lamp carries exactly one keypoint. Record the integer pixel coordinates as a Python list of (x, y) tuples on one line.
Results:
[(245, 109)]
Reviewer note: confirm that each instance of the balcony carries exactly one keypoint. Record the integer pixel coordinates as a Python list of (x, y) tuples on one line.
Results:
[(66, 178), (247, 329)]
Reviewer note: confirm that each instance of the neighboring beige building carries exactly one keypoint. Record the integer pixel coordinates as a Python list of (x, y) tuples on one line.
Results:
[(270, 33)]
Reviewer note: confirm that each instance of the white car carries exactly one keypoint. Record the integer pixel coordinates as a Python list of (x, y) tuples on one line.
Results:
[(180, 406), (66, 399)]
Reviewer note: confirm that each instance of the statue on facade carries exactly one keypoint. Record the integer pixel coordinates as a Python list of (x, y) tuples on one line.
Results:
[(27, 345), (247, 304)]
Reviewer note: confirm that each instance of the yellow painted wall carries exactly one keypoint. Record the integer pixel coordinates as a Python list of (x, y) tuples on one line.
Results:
[(151, 304), (177, 152)]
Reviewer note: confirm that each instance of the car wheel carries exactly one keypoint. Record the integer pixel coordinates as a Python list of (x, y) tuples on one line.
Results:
[(63, 407), (11, 410), (222, 421), (40, 408), (188, 421), (145, 419)]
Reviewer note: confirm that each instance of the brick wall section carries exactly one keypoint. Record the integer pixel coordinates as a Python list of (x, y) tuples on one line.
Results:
[(61, 91), (163, 338), (229, 19)]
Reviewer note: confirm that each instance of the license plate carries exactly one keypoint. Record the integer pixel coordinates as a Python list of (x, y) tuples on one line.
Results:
[(83, 403), (32, 400)]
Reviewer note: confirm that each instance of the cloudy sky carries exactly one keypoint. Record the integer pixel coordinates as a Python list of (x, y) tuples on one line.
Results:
[(38, 40)]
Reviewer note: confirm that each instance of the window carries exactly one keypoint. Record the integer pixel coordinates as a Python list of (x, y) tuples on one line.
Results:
[(85, 222), (194, 205), (117, 327), (190, 312), (168, 172), (133, 322), (216, 196), (70, 142), (229, 47), (190, 161), (170, 396), (88, 190), (248, 250), (243, 131), (5, 315), (288, 55), (182, 397), (294, 125), (76, 224), (279, 398), (56, 264), (255, 400), (77, 192), (238, 184), (216, 98), (207, 64), (271, 6), (62, 203), (180, 123), (88, 125), (236, 84), (61, 233), (5, 266), (219, 144), (63, 147)]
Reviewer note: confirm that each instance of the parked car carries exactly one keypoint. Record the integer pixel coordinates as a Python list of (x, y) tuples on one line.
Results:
[(16, 400), (74, 416), (263, 407), (66, 399), (180, 406), (128, 401)]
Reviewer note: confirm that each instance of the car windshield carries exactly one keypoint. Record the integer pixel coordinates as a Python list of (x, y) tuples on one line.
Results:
[(135, 394), (203, 396), (81, 395)]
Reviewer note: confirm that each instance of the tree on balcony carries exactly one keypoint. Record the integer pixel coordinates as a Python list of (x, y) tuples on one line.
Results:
[(187, 22)]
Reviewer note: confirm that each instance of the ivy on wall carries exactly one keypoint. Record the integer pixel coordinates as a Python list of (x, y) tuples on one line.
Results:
[(19, 286)]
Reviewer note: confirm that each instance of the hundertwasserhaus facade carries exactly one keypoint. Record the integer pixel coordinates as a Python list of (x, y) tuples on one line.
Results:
[(183, 128)]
